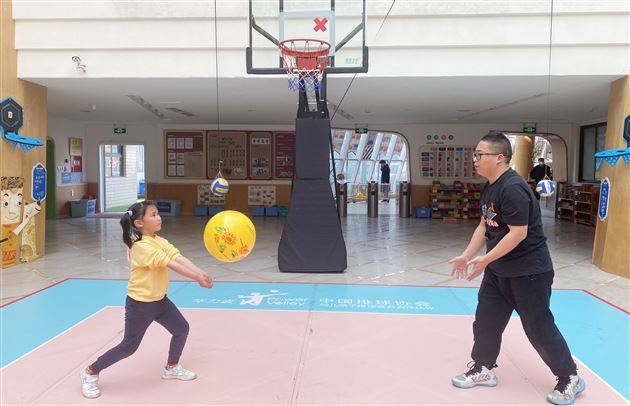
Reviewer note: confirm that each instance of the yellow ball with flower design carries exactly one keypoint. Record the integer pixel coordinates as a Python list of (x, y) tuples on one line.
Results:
[(229, 236)]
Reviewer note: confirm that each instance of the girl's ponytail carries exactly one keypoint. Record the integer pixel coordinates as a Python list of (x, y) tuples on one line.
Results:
[(136, 211)]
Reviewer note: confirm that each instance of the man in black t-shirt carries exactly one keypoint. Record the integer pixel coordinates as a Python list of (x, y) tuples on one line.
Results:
[(538, 173), (518, 275)]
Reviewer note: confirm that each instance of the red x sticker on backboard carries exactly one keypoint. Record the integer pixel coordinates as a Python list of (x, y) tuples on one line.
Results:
[(320, 24)]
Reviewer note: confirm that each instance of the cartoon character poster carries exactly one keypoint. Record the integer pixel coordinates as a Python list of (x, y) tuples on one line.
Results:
[(11, 189)]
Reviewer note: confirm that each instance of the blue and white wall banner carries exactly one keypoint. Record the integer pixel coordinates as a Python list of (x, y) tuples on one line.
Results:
[(38, 182), (604, 198)]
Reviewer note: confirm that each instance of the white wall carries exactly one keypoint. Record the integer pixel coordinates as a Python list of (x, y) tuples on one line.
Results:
[(152, 137), (61, 131), (455, 38), (469, 134)]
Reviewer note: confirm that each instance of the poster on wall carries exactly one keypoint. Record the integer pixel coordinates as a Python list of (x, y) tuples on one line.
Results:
[(184, 154), (205, 196), (230, 148), (75, 146), (261, 195), (447, 161), (260, 155), (76, 163), (284, 151)]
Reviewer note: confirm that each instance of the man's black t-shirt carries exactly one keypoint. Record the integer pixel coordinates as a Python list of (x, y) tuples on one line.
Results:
[(509, 200), (539, 172)]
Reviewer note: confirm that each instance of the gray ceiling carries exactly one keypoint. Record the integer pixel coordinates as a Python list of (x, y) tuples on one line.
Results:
[(364, 100)]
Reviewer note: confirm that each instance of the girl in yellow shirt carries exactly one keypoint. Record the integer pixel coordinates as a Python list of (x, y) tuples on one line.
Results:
[(146, 302)]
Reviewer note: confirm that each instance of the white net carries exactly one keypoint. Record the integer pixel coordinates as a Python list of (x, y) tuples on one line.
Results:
[(305, 61)]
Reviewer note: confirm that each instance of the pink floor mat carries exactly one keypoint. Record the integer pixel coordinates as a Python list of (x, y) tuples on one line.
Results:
[(289, 358)]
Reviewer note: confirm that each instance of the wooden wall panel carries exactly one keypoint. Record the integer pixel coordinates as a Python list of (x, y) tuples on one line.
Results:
[(611, 251), (420, 196), (33, 99)]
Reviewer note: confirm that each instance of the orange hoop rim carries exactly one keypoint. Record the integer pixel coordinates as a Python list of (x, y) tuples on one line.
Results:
[(304, 61), (305, 52)]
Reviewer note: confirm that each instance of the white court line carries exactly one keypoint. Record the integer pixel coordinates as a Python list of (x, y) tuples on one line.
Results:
[(601, 379)]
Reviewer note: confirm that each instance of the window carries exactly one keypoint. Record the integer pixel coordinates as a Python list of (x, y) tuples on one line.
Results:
[(114, 160), (356, 156), (592, 139)]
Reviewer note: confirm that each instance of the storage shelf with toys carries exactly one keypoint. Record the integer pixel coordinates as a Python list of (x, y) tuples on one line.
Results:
[(459, 200), (585, 205), (565, 201), (577, 203)]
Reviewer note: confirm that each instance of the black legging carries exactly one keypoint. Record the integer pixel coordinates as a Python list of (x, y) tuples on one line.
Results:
[(138, 317)]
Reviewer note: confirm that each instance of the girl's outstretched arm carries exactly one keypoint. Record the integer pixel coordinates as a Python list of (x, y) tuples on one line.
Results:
[(185, 267)]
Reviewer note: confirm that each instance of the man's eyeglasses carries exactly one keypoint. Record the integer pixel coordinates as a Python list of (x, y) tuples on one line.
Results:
[(477, 155)]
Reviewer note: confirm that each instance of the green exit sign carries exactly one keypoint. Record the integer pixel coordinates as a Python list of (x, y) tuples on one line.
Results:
[(529, 128), (361, 130), (120, 130)]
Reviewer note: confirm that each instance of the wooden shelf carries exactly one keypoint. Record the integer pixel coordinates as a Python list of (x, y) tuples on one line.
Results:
[(585, 204), (457, 202)]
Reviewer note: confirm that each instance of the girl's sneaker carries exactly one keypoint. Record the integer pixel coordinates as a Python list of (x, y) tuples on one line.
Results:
[(89, 385), (178, 372)]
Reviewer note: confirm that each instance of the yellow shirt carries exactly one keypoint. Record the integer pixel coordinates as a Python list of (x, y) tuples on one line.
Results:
[(149, 277)]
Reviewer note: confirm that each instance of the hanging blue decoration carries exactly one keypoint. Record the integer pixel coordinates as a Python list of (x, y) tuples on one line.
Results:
[(612, 161), (598, 163), (611, 157)]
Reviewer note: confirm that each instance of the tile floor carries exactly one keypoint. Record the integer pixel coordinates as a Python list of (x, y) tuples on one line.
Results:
[(387, 250)]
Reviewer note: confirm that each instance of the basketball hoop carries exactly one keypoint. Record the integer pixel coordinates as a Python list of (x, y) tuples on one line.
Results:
[(305, 61)]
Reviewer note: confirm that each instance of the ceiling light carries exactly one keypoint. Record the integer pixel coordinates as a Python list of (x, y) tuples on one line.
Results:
[(180, 111), (89, 109), (337, 110), (147, 106), (500, 106)]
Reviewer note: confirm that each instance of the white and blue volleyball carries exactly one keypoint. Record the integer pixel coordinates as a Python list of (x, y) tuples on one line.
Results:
[(219, 187), (545, 188)]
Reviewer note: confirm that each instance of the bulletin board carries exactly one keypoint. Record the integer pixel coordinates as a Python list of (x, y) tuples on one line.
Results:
[(231, 148), (205, 196), (185, 154), (261, 195), (284, 152), (447, 161), (260, 149)]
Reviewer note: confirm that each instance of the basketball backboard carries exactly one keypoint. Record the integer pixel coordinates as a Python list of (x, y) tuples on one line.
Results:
[(338, 22)]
